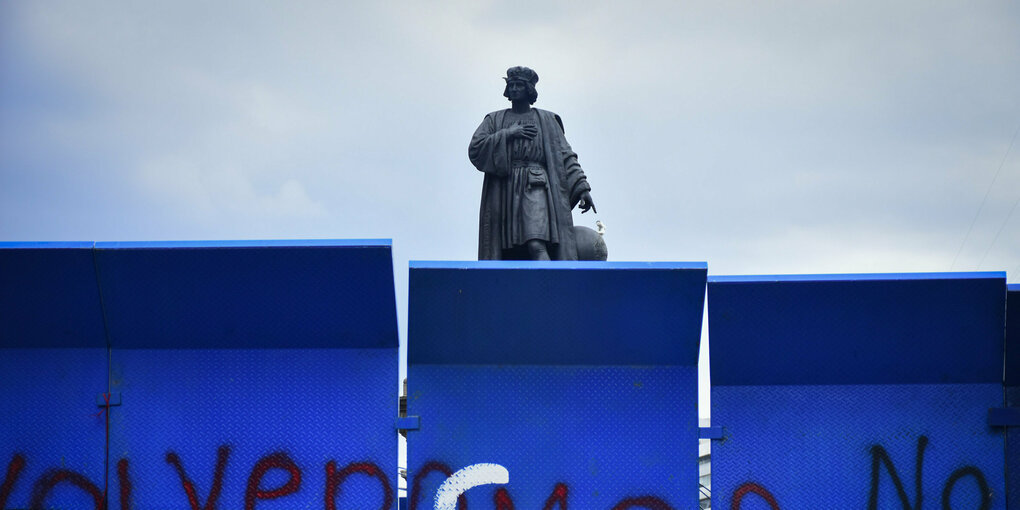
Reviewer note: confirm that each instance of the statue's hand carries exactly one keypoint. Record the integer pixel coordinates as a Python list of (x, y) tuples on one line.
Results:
[(586, 203), (528, 131)]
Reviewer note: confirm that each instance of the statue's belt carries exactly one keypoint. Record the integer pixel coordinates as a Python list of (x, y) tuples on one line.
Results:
[(517, 163)]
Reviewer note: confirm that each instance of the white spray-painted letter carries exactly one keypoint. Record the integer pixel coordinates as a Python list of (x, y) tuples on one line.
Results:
[(466, 478)]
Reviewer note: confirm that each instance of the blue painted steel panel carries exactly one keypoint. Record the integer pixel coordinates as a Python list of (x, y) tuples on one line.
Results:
[(252, 294), (50, 423), (815, 446), (1012, 335), (1004, 417), (1012, 386), (855, 277), (579, 378), (49, 296), (824, 386), (243, 389), (408, 423), (553, 264), (248, 243), (845, 330), (1013, 452), (315, 405), (51, 245), (606, 433), (715, 432), (555, 313)]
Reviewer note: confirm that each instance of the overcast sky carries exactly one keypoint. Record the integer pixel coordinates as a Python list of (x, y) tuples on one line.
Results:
[(761, 137)]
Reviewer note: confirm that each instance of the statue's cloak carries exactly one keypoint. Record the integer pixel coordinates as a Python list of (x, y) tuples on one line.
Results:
[(490, 153)]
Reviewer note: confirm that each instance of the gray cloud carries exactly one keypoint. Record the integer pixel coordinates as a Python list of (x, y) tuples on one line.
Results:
[(785, 137)]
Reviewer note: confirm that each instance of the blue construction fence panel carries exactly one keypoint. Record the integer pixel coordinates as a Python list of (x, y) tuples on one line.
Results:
[(1012, 384), (53, 365), (249, 294), (242, 374), (857, 391), (579, 379), (238, 426)]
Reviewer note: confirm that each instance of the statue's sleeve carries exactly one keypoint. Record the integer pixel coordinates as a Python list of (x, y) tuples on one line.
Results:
[(488, 148), (573, 176)]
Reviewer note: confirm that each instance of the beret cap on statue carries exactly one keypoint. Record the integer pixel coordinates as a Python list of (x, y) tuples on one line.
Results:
[(522, 74)]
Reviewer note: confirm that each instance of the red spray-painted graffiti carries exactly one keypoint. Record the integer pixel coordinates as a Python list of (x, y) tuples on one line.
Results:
[(189, 487), (335, 478), (278, 460), (125, 483), (558, 497), (502, 500), (753, 488), (13, 471), (429, 468), (254, 491), (649, 502), (51, 478)]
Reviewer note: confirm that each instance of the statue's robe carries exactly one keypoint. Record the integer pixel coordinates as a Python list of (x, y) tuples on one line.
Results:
[(490, 153)]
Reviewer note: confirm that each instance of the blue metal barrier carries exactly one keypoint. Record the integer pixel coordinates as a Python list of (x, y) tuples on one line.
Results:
[(857, 391), (240, 372), (1012, 385), (53, 365), (579, 378), (226, 374)]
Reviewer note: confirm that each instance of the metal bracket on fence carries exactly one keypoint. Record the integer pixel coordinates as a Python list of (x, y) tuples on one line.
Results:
[(1004, 416), (408, 423), (710, 432), (114, 399)]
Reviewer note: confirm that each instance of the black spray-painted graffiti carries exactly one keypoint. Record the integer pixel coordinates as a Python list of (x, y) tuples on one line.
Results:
[(880, 459), (281, 461)]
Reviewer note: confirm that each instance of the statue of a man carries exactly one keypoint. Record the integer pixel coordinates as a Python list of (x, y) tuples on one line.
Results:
[(532, 179)]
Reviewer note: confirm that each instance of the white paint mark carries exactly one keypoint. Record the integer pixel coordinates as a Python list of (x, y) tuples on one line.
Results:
[(466, 478)]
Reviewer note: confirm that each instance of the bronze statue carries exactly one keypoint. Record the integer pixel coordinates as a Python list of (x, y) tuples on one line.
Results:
[(532, 181)]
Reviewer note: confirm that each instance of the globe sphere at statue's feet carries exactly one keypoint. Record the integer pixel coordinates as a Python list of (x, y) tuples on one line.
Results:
[(590, 245)]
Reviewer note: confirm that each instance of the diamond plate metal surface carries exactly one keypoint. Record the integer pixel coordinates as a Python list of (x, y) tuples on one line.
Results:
[(244, 417), (814, 446), (1012, 386), (316, 406), (1012, 354), (606, 433), (856, 329), (555, 312), (49, 296), (1013, 452), (261, 294), (50, 420)]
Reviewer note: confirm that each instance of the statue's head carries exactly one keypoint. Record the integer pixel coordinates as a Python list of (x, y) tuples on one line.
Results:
[(525, 79)]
